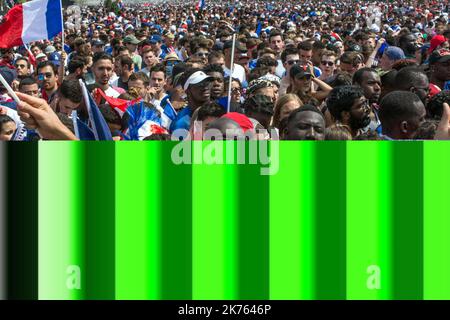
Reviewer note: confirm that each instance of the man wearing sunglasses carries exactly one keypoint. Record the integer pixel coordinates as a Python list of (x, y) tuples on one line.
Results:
[(23, 70), (23, 67), (197, 86), (47, 75), (327, 64)]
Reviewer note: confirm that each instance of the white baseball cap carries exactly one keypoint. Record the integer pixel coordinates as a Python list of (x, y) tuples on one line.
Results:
[(196, 77)]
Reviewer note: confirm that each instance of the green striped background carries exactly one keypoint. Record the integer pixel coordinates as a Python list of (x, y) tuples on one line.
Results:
[(85, 220)]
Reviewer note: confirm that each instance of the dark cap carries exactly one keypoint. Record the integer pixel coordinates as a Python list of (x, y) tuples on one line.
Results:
[(441, 55), (8, 74), (355, 48), (239, 46), (131, 39), (299, 71), (55, 58), (97, 43)]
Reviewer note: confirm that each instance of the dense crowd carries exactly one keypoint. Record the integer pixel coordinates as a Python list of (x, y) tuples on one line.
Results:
[(310, 70)]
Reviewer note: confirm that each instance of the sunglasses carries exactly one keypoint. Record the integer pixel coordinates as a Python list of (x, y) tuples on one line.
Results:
[(328, 63), (20, 66), (202, 84), (303, 77), (202, 54), (46, 75), (291, 62)]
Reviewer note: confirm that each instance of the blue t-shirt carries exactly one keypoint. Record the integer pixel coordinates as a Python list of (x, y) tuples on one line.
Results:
[(447, 85), (67, 48), (252, 64)]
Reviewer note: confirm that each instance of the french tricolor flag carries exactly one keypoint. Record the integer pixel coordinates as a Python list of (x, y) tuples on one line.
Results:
[(31, 21), (200, 4)]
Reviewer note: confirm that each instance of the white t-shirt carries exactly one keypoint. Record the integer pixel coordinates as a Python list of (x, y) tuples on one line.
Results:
[(111, 92), (113, 80), (238, 72), (280, 70)]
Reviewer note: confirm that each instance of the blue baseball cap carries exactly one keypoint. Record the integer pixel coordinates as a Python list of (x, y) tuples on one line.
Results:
[(55, 58), (155, 38), (394, 53)]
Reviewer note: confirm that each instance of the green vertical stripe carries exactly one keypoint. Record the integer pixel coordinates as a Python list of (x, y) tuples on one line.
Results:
[(231, 234), (330, 220), (22, 221), (385, 219), (176, 226), (213, 226), (138, 195), (436, 261), (368, 227), (407, 204), (253, 229), (100, 219), (61, 220), (292, 222)]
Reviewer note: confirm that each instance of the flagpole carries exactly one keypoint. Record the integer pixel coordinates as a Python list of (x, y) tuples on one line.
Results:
[(9, 89), (231, 72), (89, 109), (62, 25), (31, 57), (75, 124)]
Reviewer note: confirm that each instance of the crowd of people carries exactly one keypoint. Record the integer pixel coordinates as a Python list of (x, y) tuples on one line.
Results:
[(288, 70)]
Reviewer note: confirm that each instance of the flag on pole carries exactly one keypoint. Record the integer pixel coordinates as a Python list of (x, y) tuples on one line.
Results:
[(31, 56), (259, 28), (82, 131), (31, 21), (168, 112), (119, 105), (200, 5), (143, 121), (96, 119)]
